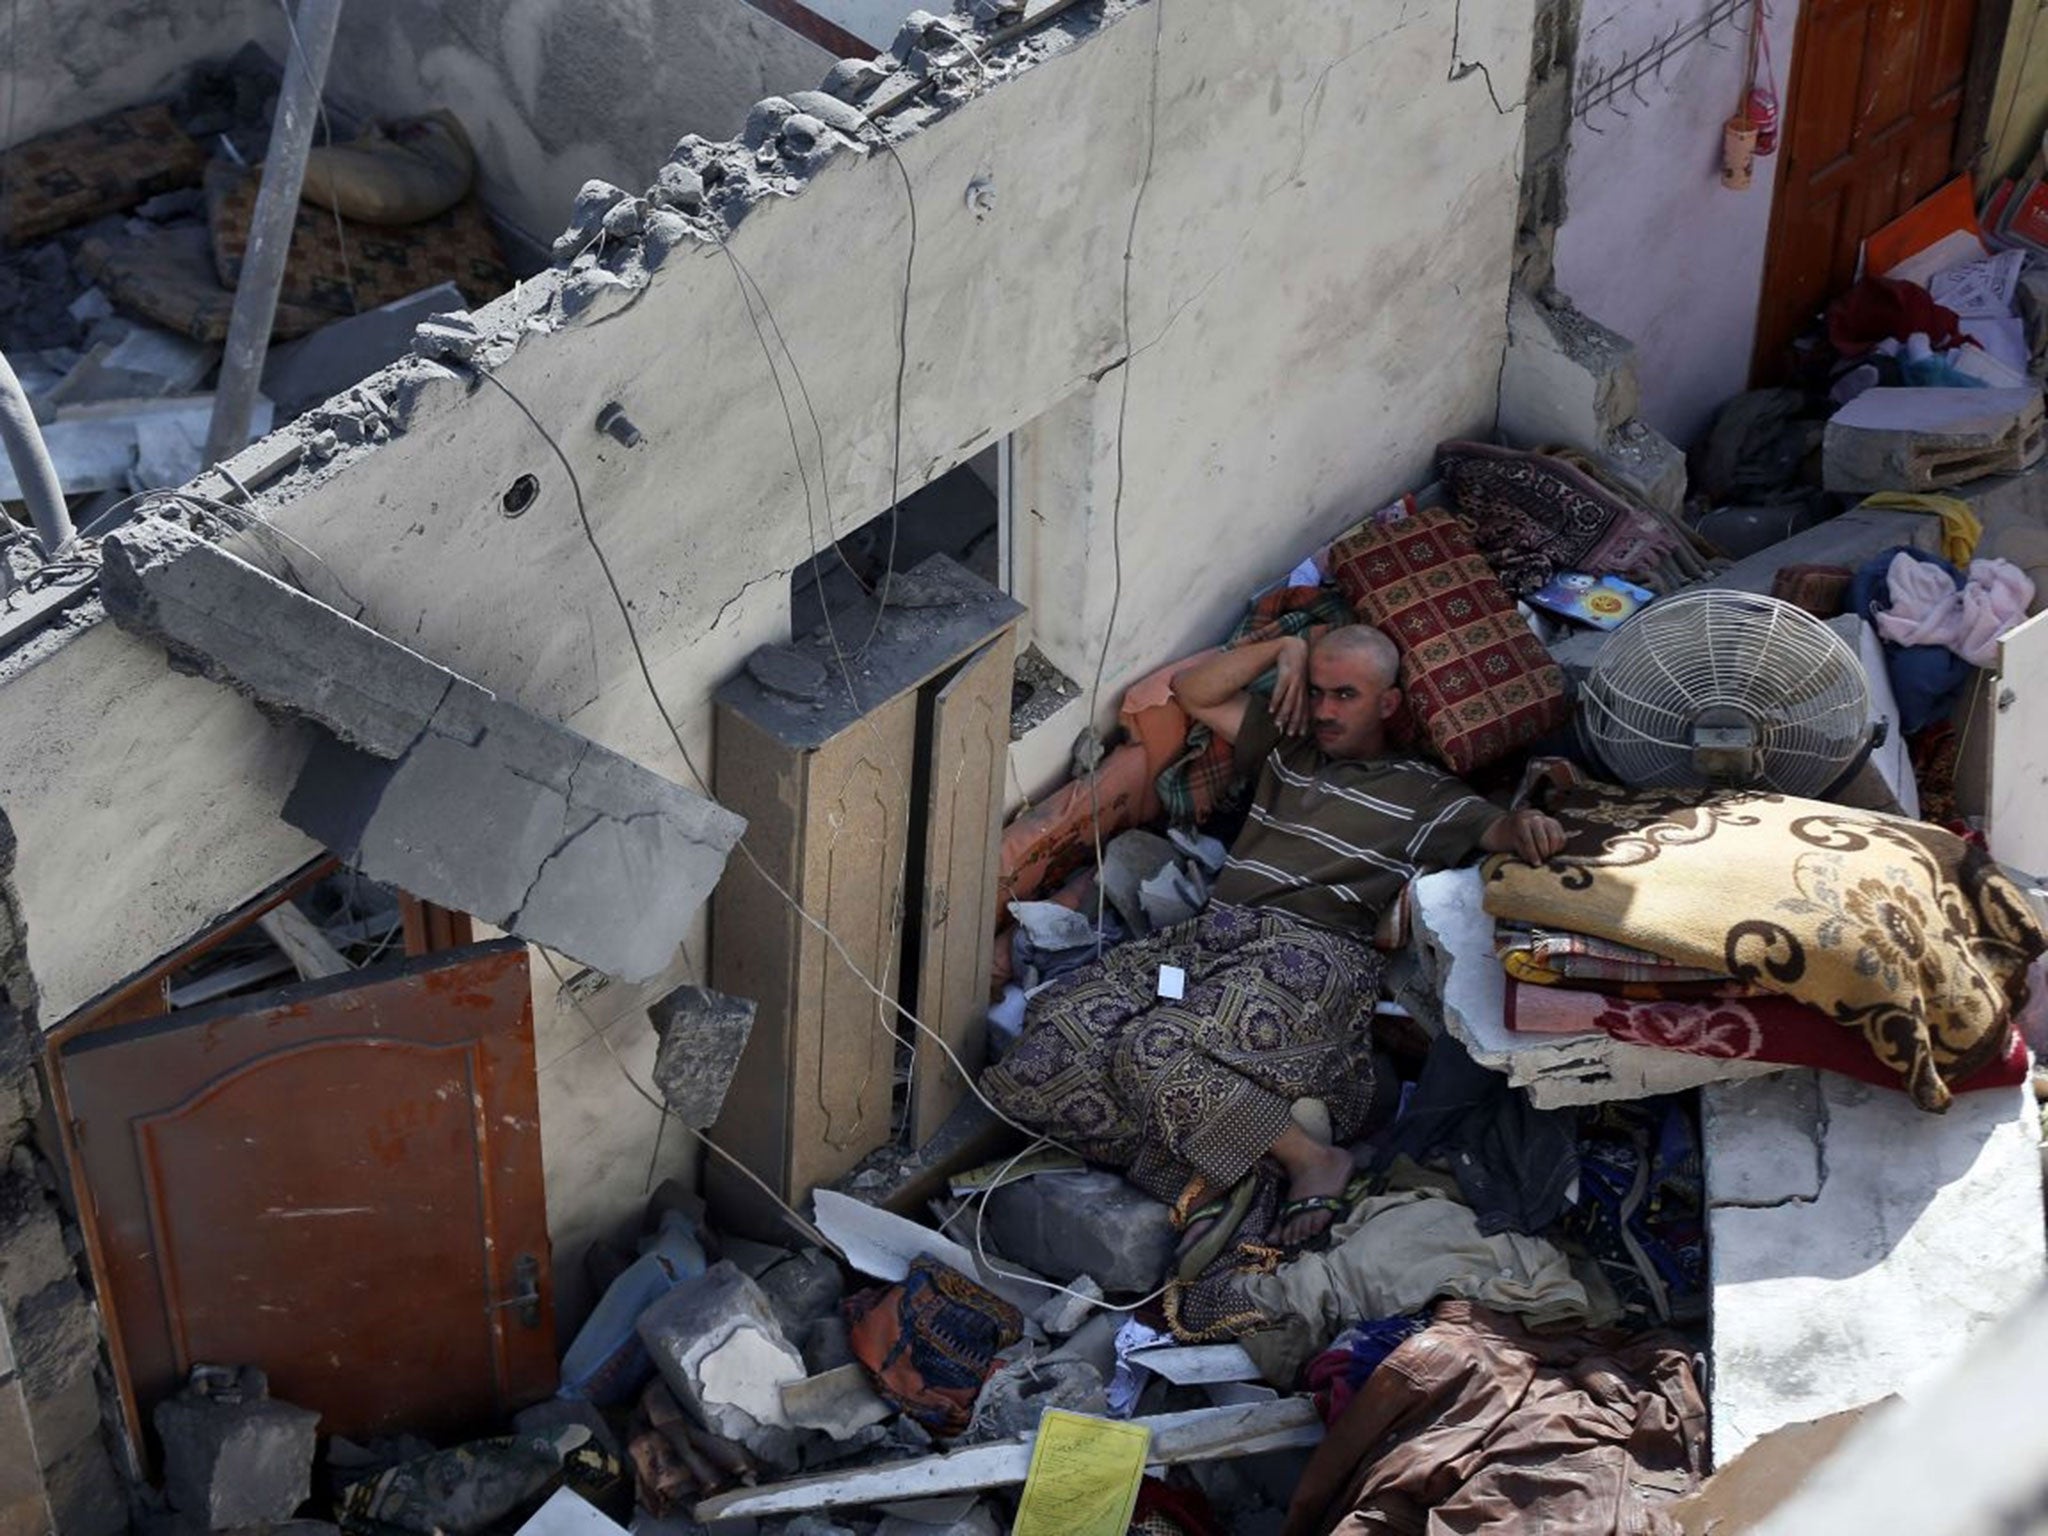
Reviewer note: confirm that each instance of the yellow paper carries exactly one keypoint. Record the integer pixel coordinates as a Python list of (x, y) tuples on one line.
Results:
[(1084, 1476)]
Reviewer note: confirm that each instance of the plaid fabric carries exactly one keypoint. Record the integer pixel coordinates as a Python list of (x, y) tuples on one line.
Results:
[(100, 167), (360, 266), (929, 1343), (1478, 680), (1822, 590), (1203, 780), (1579, 956)]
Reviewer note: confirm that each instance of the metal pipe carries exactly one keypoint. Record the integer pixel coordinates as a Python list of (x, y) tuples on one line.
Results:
[(33, 470), (270, 228)]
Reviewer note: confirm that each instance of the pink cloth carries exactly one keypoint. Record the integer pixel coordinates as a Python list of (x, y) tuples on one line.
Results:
[(1928, 608)]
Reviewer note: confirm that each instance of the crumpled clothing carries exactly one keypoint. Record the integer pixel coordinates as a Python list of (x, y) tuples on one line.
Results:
[(1889, 309), (1338, 1372), (1960, 526), (1514, 1163), (1926, 679), (1476, 1424), (1927, 608), (1398, 1253)]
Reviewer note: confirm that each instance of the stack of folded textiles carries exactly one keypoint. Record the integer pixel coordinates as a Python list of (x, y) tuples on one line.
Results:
[(1563, 983)]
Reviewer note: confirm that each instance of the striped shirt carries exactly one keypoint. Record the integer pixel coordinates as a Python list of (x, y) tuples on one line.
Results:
[(1334, 841)]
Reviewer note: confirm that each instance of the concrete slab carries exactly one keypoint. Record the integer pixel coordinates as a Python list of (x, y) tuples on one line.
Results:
[(427, 781), (1455, 937), (1921, 1232)]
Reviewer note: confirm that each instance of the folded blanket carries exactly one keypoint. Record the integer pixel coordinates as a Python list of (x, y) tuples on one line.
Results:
[(1579, 956), (1896, 929), (1762, 1028)]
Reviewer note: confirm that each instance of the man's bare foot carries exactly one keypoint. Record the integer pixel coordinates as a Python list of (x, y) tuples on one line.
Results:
[(1316, 1177)]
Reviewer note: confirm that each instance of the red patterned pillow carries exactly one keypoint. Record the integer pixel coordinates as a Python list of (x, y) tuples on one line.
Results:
[(1479, 682)]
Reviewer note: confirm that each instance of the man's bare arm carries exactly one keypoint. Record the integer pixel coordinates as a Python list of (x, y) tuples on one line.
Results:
[(1528, 834), (1213, 689)]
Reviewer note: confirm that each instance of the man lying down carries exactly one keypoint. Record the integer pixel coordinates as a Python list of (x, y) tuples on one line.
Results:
[(1186, 1094)]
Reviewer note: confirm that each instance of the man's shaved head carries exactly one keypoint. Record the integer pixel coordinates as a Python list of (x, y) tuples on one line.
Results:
[(1371, 644)]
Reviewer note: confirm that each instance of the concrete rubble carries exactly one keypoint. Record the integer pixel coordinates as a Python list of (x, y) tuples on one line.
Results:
[(233, 1455)]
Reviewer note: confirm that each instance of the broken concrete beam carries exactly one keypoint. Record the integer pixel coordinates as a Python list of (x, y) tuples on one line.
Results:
[(240, 1461), (222, 618), (1907, 439), (1567, 381), (722, 1353), (1065, 1225), (702, 1034), (429, 782), (1869, 1265), (1204, 1434)]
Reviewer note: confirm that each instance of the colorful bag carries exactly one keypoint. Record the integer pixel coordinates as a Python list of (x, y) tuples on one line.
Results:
[(930, 1342)]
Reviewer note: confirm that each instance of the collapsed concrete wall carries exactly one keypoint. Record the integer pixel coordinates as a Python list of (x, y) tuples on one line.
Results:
[(1319, 207), (1652, 245)]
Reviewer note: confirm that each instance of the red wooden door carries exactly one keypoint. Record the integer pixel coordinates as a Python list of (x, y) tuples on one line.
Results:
[(339, 1182), (1877, 88)]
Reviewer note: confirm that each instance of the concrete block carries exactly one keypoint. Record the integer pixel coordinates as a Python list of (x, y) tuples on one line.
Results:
[(1454, 934), (1064, 1314), (720, 1349), (1907, 439), (838, 1403), (803, 1288), (1064, 1225), (1648, 463), (56, 1338), (1567, 381), (1765, 1141), (32, 1251), (430, 782), (702, 1034), (1925, 1230), (235, 1463), (1016, 1396), (305, 372)]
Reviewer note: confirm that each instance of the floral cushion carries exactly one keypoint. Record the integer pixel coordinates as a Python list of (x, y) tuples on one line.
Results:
[(1479, 682)]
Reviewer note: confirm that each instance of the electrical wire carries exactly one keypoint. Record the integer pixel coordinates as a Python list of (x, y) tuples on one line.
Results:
[(902, 368), (1116, 505)]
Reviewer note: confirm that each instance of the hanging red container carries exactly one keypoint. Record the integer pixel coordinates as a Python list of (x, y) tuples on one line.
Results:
[(1762, 110)]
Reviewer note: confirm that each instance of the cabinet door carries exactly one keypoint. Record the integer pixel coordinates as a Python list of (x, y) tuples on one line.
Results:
[(970, 745), (339, 1182), (2019, 749)]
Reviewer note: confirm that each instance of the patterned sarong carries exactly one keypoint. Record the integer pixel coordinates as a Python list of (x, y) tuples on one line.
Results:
[(1274, 1010)]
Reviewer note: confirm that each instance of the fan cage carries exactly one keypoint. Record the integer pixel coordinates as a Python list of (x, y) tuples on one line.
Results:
[(1788, 673)]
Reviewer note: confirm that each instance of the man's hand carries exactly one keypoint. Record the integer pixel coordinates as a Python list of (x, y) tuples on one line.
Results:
[(1290, 686), (1528, 834)]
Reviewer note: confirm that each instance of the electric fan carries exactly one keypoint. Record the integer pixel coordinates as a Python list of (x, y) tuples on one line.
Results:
[(1727, 689)]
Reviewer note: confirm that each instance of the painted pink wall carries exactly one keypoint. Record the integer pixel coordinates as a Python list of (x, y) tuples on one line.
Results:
[(1652, 245)]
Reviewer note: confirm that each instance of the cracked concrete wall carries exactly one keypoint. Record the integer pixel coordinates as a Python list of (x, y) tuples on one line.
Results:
[(1318, 294), (1652, 245)]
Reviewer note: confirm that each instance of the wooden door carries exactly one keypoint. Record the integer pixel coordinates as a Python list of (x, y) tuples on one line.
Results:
[(970, 748), (1877, 89), (339, 1182)]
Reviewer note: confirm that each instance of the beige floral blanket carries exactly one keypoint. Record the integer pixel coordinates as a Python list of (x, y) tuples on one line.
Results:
[(1894, 928)]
